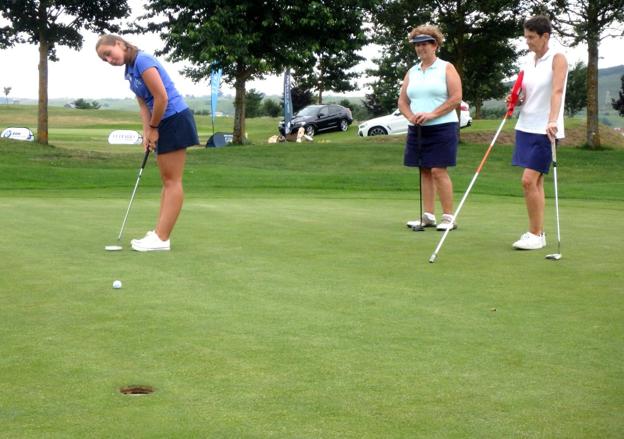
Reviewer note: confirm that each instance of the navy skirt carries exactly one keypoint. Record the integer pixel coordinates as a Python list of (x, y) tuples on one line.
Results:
[(532, 151), (177, 132), (435, 147)]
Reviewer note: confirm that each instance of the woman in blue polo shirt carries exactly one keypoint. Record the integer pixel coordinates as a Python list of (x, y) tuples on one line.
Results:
[(168, 129), (430, 94)]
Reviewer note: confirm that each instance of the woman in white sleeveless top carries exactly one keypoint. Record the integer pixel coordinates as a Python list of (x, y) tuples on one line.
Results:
[(539, 123), (430, 94)]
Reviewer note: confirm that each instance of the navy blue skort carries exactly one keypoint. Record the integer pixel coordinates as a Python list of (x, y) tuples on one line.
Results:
[(532, 151), (436, 147), (177, 132)]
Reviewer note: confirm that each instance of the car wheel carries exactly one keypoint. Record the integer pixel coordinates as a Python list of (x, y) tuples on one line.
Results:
[(377, 131), (309, 130), (344, 125)]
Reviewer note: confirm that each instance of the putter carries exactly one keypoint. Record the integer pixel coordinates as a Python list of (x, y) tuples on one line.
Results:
[(515, 92), (555, 256), (118, 246), (420, 227)]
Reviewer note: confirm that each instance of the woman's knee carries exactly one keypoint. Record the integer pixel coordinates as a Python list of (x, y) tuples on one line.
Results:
[(440, 174), (530, 181)]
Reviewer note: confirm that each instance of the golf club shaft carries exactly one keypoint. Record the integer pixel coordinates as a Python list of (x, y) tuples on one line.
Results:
[(136, 185), (420, 172), (553, 147), (465, 196)]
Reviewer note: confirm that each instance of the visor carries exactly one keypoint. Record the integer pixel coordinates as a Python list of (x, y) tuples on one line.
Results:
[(422, 38)]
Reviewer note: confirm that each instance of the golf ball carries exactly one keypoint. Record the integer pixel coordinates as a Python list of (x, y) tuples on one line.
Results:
[(117, 284)]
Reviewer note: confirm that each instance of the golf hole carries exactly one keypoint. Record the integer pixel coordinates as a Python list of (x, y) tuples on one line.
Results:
[(137, 390)]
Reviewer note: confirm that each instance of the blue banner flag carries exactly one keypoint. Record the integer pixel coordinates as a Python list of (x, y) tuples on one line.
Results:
[(288, 110), (215, 83)]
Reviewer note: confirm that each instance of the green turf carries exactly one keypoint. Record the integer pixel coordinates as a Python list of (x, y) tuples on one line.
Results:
[(296, 304)]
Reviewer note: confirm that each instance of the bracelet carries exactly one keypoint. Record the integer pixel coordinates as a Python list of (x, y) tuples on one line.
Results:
[(154, 127)]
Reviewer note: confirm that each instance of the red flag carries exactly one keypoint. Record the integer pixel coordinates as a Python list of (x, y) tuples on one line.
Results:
[(515, 92)]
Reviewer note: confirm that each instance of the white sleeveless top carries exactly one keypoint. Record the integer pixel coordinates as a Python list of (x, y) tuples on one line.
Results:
[(537, 88)]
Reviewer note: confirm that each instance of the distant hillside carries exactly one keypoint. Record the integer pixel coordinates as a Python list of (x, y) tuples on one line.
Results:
[(609, 85)]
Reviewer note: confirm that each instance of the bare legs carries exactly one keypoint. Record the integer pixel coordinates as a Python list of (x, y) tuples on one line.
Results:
[(171, 167), (437, 180), (533, 186)]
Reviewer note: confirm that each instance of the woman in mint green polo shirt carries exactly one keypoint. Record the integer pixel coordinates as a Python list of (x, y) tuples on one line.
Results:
[(430, 94)]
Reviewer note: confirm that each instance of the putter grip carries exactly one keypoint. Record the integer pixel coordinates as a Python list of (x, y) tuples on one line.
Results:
[(147, 153)]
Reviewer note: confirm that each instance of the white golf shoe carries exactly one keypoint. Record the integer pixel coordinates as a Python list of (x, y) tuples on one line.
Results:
[(448, 222), (530, 241), (150, 243), (428, 220)]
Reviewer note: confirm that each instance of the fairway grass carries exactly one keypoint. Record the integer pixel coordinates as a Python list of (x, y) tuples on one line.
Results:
[(308, 317)]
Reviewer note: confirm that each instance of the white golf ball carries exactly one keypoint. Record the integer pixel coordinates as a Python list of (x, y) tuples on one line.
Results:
[(117, 284)]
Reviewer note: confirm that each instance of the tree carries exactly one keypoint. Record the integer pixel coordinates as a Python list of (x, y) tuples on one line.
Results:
[(382, 100), (7, 90), (390, 25), (83, 104), (301, 97), (271, 108), (253, 101), (337, 52), (486, 69), (587, 21), (246, 38), (52, 23), (576, 90), (619, 103), (478, 42)]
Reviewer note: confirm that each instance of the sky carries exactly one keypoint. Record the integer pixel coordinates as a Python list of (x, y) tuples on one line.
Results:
[(81, 74)]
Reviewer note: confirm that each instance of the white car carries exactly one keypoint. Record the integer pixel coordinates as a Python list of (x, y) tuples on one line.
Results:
[(395, 123)]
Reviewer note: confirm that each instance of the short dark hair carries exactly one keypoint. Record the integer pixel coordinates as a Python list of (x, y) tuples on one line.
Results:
[(538, 24)]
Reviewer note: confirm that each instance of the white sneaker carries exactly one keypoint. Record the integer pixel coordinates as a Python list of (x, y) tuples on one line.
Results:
[(428, 220), (446, 223), (151, 242), (530, 241)]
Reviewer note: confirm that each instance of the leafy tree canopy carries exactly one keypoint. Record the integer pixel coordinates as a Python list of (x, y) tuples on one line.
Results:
[(57, 22), (576, 90), (478, 42)]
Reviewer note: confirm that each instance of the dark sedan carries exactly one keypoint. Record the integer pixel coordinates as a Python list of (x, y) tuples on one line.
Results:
[(318, 118)]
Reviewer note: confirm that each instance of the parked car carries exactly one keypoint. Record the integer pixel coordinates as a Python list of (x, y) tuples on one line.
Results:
[(317, 118), (395, 123)]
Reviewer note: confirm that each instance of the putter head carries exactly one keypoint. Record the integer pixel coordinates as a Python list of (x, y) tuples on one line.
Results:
[(418, 228), (554, 256), (112, 248)]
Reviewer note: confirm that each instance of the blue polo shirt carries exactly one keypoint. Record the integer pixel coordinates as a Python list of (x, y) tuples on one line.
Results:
[(143, 62)]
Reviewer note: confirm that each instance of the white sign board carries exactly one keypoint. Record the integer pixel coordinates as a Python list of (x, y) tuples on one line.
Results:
[(18, 134), (125, 137)]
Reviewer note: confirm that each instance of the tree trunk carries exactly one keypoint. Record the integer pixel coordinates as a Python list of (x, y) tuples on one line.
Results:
[(459, 61), (239, 110), (319, 82), (593, 134), (478, 104), (42, 123)]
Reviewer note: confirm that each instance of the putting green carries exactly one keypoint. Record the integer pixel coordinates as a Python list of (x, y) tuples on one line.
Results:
[(278, 316)]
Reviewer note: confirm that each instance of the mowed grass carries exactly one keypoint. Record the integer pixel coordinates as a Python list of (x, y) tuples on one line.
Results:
[(296, 304)]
